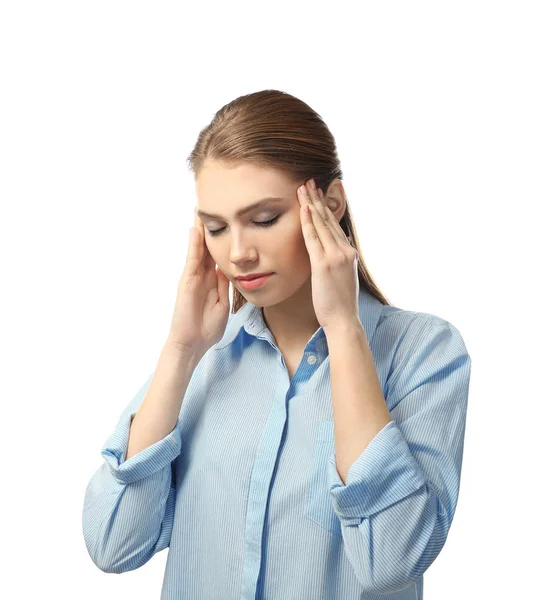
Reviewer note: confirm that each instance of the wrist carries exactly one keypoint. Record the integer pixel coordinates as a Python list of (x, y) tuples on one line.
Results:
[(172, 346), (344, 329)]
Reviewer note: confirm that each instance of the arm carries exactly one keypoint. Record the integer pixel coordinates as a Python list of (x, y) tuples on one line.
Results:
[(359, 407), (129, 503), (399, 497), (159, 412)]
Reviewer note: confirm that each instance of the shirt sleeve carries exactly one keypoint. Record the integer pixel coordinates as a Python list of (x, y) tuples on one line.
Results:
[(129, 504), (400, 496)]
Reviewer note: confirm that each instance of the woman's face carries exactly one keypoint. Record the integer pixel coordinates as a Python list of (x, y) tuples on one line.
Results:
[(242, 246)]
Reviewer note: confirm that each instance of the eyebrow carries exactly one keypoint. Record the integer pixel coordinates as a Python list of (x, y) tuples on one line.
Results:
[(245, 210)]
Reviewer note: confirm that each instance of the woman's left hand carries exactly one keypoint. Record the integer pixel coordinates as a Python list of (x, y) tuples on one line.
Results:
[(335, 281)]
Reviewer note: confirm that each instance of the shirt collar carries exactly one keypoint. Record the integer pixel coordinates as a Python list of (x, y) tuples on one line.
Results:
[(250, 319)]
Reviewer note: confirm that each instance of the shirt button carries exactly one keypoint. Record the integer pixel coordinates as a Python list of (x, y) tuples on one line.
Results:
[(312, 360)]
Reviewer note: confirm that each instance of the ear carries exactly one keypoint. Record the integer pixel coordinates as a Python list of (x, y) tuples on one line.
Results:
[(335, 198)]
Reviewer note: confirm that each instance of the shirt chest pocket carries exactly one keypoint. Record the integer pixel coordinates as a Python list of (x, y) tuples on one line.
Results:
[(319, 503)]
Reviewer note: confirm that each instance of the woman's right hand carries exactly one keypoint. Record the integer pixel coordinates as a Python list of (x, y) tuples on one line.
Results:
[(202, 306)]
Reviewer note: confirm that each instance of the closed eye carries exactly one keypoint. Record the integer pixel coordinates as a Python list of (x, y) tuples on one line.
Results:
[(258, 223)]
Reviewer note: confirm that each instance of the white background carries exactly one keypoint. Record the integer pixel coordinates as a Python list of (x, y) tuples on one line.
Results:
[(439, 113)]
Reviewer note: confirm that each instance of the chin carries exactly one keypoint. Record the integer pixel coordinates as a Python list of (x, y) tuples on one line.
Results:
[(275, 296)]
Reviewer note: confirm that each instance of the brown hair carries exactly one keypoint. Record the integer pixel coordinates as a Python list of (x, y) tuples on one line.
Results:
[(274, 129)]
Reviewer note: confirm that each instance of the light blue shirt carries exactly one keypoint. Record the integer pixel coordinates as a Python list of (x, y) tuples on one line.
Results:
[(245, 491)]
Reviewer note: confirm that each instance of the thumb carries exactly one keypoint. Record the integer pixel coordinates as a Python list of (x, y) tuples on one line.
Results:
[(223, 285)]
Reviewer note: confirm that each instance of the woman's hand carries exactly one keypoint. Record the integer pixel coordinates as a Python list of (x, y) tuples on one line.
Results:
[(202, 306), (335, 281)]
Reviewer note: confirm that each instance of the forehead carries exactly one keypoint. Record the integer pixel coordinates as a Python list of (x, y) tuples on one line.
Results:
[(239, 189), (261, 203)]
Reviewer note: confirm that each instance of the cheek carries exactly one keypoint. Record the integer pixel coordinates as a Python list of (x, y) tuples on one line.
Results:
[(212, 250), (294, 246)]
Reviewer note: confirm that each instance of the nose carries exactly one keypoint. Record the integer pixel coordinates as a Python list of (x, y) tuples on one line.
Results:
[(241, 251)]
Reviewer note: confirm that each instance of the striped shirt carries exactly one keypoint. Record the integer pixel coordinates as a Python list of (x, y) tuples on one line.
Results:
[(245, 492)]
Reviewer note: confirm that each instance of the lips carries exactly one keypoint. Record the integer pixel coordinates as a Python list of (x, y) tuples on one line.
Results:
[(256, 283), (252, 276)]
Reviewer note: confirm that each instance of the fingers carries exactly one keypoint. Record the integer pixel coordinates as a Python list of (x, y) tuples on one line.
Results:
[(203, 253), (195, 244), (325, 223), (197, 220), (320, 234)]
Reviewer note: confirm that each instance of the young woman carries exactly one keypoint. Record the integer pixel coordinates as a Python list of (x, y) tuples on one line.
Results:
[(307, 444)]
